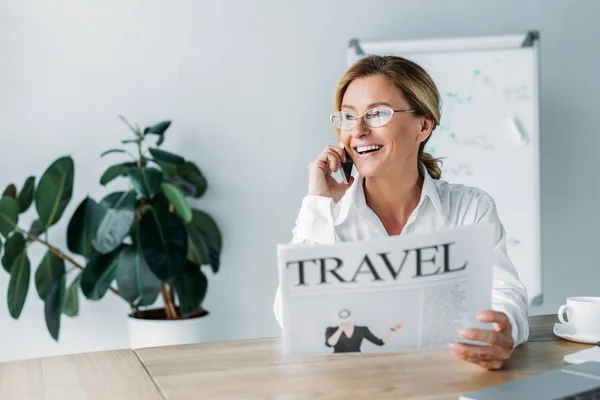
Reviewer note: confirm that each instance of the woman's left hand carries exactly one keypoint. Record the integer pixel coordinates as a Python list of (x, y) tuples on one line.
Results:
[(500, 338)]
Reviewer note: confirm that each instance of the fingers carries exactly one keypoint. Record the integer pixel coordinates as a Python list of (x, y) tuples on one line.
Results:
[(350, 182), (495, 338), (484, 356), (331, 158), (340, 151), (500, 338), (494, 316)]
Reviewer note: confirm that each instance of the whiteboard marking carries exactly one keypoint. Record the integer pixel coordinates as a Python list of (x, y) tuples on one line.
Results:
[(515, 127)]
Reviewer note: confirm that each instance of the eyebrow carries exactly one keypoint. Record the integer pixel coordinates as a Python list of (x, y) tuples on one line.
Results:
[(379, 103)]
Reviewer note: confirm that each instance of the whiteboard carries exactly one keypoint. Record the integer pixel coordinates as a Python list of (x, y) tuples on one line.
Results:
[(489, 131)]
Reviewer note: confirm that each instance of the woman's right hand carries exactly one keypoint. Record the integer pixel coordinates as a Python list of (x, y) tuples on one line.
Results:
[(320, 181)]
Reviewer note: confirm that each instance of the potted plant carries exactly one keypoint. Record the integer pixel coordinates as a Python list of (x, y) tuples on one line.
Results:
[(139, 243)]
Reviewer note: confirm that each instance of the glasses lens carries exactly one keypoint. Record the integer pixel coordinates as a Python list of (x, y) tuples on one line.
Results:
[(343, 120), (379, 116)]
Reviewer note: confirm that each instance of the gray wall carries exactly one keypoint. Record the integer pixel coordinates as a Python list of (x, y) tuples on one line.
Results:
[(570, 97), (249, 87)]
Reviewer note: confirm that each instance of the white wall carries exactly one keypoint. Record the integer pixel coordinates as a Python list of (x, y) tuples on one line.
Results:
[(249, 86)]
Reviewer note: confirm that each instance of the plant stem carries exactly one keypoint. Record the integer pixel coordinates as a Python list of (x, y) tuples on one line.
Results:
[(65, 257), (169, 307), (54, 250), (171, 293), (140, 155)]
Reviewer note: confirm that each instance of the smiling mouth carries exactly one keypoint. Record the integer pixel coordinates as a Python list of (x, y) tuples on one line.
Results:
[(367, 149)]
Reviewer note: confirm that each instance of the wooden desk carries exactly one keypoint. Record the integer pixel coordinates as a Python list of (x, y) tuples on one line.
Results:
[(255, 369), (103, 375)]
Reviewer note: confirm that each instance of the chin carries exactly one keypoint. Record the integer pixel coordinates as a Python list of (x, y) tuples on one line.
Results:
[(368, 172)]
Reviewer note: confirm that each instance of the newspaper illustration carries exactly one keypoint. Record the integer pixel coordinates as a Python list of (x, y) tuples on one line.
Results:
[(399, 293)]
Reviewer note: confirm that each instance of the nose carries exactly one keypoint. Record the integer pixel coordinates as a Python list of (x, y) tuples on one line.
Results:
[(361, 129)]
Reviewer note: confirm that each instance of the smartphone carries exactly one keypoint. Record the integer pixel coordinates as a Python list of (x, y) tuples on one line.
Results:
[(346, 169)]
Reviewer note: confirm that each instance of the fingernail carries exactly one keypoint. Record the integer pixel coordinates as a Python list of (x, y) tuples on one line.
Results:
[(453, 346), (463, 332), (480, 316), (341, 145)]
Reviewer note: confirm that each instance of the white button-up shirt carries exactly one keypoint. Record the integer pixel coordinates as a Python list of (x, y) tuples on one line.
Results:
[(442, 205)]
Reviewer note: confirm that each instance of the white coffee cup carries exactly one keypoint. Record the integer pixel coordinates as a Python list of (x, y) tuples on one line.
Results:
[(582, 314)]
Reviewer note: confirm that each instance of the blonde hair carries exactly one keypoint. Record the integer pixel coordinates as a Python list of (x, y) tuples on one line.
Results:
[(414, 83)]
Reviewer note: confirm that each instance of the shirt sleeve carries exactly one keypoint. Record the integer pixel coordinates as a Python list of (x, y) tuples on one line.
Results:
[(509, 294), (372, 338), (329, 333), (315, 221), (314, 224)]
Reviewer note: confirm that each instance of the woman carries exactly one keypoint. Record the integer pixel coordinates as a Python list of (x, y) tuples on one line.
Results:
[(348, 338), (385, 111)]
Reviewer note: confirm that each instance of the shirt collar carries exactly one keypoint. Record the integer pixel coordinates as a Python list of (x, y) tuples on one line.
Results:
[(430, 190), (356, 193)]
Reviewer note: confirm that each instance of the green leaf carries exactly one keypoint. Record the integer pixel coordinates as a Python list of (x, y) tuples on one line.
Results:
[(49, 271), (207, 224), (185, 187), (158, 129), (53, 306), (134, 231), (204, 240), (146, 181), (190, 172), (18, 285), (115, 171), (197, 246), (14, 246), (177, 199), (71, 302), (99, 273), (10, 191), (37, 228), (55, 190), (136, 283), (80, 231), (191, 286), (9, 215), (163, 238), (167, 168), (165, 156), (26, 196), (111, 151), (112, 220), (126, 141)]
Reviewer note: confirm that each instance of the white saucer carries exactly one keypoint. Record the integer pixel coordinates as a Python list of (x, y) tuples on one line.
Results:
[(568, 333)]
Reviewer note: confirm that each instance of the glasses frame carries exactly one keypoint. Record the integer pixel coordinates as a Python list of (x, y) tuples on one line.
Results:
[(362, 116)]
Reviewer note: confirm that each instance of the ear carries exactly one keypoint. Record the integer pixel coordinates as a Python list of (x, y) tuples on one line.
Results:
[(426, 126)]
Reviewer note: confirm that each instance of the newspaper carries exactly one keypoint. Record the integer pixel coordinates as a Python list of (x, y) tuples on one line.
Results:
[(399, 293)]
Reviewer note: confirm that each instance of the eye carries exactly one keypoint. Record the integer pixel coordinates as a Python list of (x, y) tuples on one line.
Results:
[(379, 113), (349, 117), (375, 113)]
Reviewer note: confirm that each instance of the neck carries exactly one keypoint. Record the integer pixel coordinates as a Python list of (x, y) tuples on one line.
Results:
[(393, 197)]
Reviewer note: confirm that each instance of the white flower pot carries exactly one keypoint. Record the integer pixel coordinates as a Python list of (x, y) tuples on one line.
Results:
[(163, 332)]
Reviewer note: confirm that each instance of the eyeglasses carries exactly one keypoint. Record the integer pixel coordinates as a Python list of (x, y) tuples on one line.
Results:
[(374, 118)]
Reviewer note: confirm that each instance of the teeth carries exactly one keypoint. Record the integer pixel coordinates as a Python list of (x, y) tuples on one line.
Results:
[(367, 148)]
